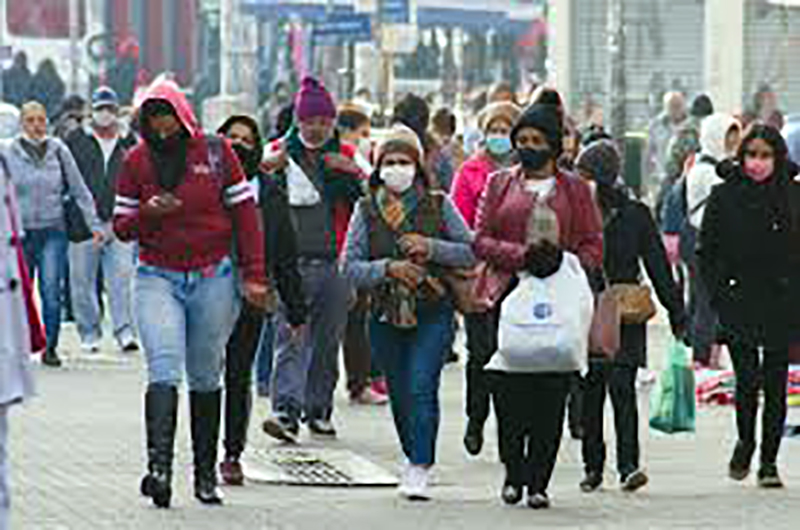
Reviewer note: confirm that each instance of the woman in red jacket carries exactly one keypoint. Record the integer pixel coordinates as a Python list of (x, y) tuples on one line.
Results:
[(180, 195), (522, 207)]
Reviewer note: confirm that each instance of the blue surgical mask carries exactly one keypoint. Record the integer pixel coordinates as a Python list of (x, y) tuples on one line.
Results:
[(498, 145)]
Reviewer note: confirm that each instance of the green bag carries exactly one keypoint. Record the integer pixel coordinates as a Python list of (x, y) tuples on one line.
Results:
[(672, 406)]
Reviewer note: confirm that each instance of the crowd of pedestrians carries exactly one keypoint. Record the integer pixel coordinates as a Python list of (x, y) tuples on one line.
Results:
[(250, 253)]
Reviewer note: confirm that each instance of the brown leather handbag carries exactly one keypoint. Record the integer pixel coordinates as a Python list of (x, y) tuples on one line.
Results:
[(605, 333), (635, 302)]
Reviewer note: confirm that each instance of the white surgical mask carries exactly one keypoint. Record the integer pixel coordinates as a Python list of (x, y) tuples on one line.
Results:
[(398, 178), (104, 118), (364, 147), (310, 145)]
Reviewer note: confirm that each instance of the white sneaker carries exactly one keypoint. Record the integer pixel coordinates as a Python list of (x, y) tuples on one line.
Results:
[(414, 484), (90, 346)]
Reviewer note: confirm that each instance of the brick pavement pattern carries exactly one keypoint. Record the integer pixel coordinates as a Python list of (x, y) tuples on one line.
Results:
[(77, 457)]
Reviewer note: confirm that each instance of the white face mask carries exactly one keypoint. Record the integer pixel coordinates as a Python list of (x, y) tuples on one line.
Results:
[(364, 147), (104, 118), (398, 178), (310, 145)]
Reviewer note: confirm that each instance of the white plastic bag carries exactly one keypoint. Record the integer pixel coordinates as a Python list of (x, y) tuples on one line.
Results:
[(545, 323)]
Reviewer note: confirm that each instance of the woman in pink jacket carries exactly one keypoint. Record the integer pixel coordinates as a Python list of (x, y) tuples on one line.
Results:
[(496, 153)]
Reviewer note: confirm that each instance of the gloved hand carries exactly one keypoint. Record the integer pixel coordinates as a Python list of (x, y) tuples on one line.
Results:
[(544, 259)]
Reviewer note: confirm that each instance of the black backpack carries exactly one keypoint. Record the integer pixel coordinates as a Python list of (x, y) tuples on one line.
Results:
[(688, 233)]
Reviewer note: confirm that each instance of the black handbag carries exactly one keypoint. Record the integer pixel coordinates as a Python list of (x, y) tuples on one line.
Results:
[(78, 230)]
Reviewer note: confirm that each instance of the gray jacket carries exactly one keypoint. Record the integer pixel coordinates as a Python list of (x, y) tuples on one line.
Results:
[(40, 186)]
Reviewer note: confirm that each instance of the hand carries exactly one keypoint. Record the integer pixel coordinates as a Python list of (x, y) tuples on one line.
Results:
[(672, 244), (416, 247), (275, 160), (680, 331), (543, 260), (162, 204), (259, 295), (341, 164), (406, 272), (98, 238)]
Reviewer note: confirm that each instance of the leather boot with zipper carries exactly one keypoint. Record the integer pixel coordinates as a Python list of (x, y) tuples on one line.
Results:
[(161, 417), (205, 413)]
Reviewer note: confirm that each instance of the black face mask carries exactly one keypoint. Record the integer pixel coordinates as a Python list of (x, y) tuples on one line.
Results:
[(534, 159), (248, 157)]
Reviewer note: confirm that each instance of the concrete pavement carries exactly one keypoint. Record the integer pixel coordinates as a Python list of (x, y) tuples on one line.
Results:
[(77, 457)]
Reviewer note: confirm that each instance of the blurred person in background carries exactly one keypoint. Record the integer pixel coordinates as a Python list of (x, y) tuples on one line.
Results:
[(9, 121), (720, 136), (630, 239), (495, 153), (660, 132), (17, 81), (354, 126), (43, 171), (47, 87), (322, 183), (444, 128), (99, 151), (764, 109), (501, 91)]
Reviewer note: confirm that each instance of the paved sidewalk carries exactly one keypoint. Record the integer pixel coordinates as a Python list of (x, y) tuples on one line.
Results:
[(77, 457)]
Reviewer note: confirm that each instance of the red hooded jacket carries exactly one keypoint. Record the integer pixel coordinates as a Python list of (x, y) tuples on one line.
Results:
[(201, 232)]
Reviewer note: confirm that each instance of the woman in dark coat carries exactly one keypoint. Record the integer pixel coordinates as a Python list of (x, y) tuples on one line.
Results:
[(745, 260), (630, 238)]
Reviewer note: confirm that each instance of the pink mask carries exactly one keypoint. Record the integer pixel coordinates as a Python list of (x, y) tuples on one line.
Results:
[(759, 170)]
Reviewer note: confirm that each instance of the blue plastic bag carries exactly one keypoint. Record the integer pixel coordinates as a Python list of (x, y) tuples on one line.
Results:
[(672, 406)]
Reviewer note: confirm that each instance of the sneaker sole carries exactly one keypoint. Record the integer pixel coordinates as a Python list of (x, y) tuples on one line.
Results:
[(279, 433), (770, 484), (635, 484), (738, 476)]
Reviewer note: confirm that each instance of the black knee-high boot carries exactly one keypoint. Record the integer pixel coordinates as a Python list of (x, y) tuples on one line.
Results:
[(205, 412), (161, 418)]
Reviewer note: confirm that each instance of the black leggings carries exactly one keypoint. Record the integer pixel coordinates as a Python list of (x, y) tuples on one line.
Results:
[(753, 373), (530, 410)]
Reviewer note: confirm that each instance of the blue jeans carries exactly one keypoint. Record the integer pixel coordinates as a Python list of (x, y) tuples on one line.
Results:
[(46, 256), (264, 355), (116, 260), (412, 361), (185, 318), (307, 367)]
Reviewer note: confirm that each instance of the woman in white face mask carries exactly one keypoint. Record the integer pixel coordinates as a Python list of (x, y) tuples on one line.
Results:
[(402, 239)]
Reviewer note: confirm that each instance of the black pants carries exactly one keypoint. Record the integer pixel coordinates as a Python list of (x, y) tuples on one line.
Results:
[(751, 374), (482, 329), (356, 346), (530, 410), (703, 317), (239, 359), (618, 380)]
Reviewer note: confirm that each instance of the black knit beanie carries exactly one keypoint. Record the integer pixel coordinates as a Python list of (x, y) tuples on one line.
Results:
[(545, 118), (601, 160)]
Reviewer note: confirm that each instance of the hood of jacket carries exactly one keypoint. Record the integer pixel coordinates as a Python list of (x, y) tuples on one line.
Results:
[(712, 135), (169, 91)]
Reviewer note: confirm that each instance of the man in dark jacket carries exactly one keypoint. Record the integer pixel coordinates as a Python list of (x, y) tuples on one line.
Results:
[(17, 81), (99, 152), (281, 258)]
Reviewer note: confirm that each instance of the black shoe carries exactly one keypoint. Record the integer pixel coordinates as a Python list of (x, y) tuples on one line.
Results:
[(205, 410), (473, 439), (322, 428), (768, 477), (161, 417), (511, 494), (635, 481), (538, 501), (282, 428), (50, 358), (576, 431), (591, 482), (739, 467)]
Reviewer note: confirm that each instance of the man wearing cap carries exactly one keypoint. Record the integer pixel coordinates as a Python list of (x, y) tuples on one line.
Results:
[(321, 184), (99, 150)]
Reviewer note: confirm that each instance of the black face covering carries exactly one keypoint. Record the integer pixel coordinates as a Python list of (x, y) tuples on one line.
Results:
[(169, 155), (249, 159), (534, 159)]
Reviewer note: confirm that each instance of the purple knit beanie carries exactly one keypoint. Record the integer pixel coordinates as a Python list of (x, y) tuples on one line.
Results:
[(313, 101)]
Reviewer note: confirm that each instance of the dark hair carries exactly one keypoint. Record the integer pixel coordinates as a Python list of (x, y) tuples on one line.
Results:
[(773, 137), (350, 120), (413, 112), (702, 106), (284, 121), (594, 133), (444, 122)]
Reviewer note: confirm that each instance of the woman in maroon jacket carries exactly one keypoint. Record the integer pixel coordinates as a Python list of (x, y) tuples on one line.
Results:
[(180, 195), (521, 207)]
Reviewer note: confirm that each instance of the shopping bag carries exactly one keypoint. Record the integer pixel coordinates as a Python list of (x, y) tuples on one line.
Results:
[(672, 407), (544, 323)]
